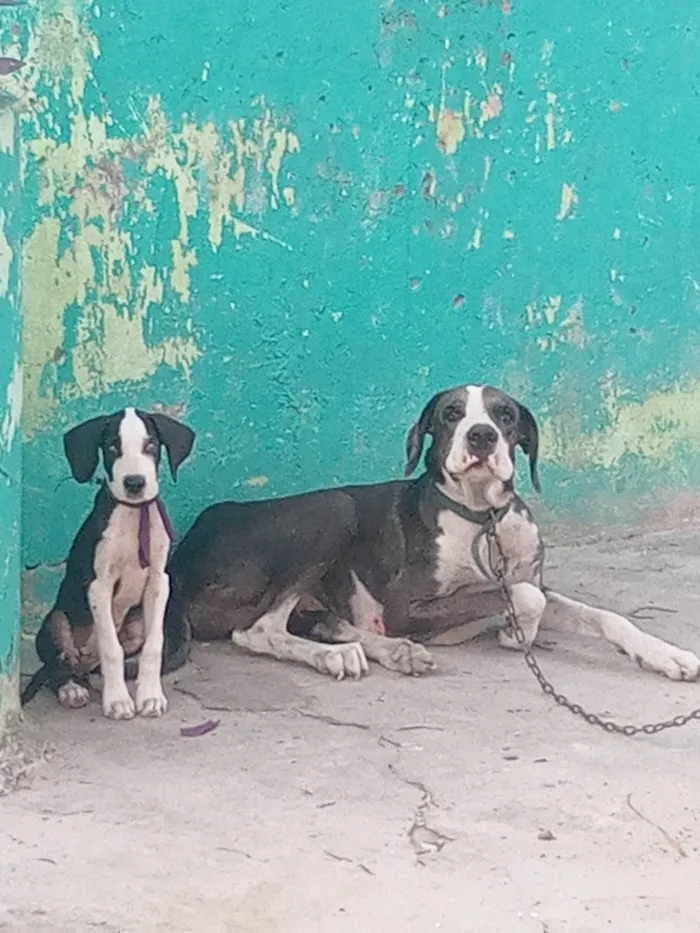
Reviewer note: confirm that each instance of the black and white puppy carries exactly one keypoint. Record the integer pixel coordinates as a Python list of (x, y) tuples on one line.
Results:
[(409, 559), (112, 599)]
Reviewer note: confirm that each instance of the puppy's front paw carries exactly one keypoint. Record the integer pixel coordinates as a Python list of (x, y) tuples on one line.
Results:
[(150, 702), (117, 704)]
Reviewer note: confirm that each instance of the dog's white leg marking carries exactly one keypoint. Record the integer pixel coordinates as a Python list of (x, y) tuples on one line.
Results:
[(150, 699), (72, 695), (269, 635), (116, 702), (568, 615), (529, 603), (396, 654)]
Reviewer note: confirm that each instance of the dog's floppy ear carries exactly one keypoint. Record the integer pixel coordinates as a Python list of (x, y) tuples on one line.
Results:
[(82, 448), (416, 436), (529, 440), (175, 437)]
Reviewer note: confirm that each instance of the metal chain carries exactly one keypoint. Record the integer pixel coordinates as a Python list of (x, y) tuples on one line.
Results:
[(499, 571)]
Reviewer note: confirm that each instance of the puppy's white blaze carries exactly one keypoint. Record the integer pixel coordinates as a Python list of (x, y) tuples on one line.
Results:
[(476, 413), (133, 461)]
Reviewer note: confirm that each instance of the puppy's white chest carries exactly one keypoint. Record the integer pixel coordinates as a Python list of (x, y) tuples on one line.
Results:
[(117, 554), (457, 542)]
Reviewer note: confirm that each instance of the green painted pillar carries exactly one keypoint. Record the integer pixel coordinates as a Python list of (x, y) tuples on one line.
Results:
[(10, 409)]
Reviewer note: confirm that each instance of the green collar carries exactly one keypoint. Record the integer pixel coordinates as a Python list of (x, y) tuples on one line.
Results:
[(476, 517)]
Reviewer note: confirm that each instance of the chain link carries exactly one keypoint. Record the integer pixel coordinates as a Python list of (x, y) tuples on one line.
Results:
[(499, 571)]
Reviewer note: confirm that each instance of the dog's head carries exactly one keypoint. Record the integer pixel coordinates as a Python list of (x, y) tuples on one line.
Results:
[(475, 430), (131, 442)]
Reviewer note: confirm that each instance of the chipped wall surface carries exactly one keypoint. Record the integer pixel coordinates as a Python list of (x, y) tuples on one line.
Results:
[(10, 383), (295, 222)]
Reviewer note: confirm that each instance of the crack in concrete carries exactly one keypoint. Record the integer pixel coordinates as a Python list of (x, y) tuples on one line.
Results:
[(425, 840)]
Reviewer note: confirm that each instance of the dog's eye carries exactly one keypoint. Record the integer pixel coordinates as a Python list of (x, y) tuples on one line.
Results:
[(507, 416), (113, 449), (452, 414), (151, 447)]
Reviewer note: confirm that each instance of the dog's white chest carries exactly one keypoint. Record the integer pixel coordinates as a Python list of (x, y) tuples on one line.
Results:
[(117, 556), (456, 543)]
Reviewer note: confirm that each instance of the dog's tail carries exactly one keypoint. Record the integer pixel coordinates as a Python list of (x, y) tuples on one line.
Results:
[(35, 684)]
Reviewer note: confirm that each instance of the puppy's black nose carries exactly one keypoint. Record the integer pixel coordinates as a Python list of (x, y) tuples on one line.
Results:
[(134, 484), (481, 440)]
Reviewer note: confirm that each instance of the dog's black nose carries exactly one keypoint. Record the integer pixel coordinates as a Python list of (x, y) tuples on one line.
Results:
[(134, 484), (481, 439)]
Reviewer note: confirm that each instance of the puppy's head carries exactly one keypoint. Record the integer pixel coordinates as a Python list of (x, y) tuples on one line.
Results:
[(475, 430), (131, 442)]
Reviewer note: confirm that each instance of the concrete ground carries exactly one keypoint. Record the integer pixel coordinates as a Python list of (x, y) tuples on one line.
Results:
[(463, 802)]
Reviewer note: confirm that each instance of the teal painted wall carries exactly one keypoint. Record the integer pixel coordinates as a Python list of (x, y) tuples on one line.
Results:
[(292, 222), (10, 378)]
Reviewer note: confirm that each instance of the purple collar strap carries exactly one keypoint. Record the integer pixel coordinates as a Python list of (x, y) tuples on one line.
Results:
[(145, 529), (145, 524)]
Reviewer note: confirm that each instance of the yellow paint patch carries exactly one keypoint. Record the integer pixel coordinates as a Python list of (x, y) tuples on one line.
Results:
[(257, 482), (449, 131), (650, 429), (568, 202), (7, 131), (183, 260)]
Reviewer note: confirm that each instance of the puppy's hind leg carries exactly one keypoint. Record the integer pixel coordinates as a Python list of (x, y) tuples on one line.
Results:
[(269, 635), (568, 615)]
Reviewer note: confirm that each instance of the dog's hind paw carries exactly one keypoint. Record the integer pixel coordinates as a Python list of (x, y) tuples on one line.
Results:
[(404, 656), (72, 695), (341, 661)]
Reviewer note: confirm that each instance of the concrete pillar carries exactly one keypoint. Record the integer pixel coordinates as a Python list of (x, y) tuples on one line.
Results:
[(10, 412)]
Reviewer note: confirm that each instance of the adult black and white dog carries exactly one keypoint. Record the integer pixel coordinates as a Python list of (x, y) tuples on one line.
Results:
[(407, 559), (112, 599)]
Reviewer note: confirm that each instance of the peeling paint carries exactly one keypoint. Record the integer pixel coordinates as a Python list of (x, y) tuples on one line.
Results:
[(12, 408), (449, 130), (568, 202), (6, 256), (80, 255)]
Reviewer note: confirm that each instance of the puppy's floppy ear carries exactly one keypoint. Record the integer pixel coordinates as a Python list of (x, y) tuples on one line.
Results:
[(175, 437), (529, 440), (82, 448), (416, 436)]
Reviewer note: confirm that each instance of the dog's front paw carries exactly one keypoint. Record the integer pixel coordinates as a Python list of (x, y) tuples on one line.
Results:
[(507, 639), (117, 704), (675, 663), (341, 661), (150, 702), (404, 656), (72, 695)]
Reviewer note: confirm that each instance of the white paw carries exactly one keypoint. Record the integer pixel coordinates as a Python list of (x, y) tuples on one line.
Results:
[(341, 661), (675, 663), (150, 702), (117, 704), (73, 696), (404, 656)]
